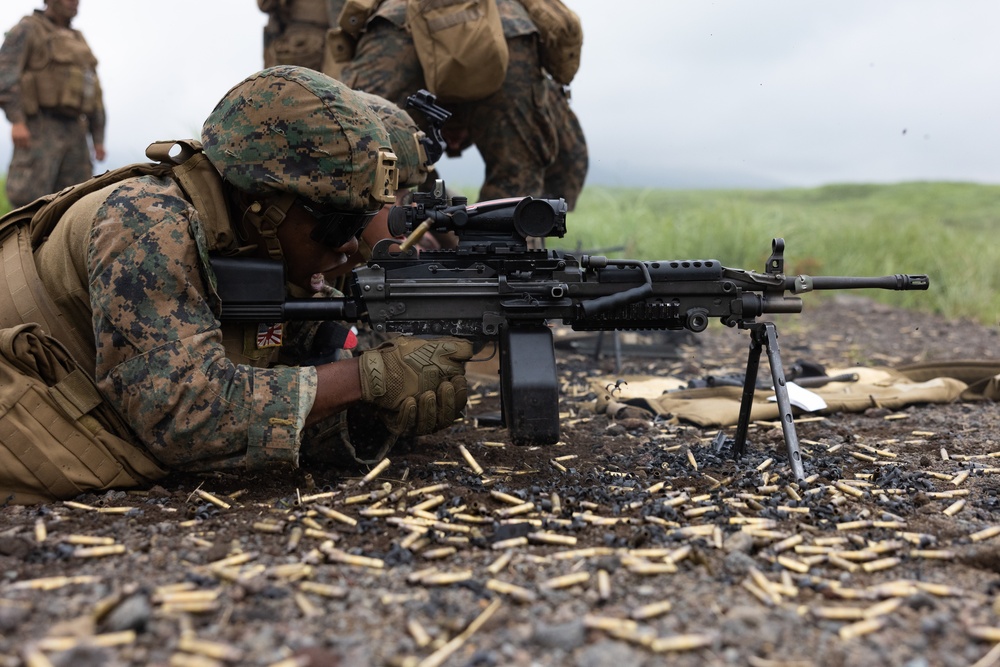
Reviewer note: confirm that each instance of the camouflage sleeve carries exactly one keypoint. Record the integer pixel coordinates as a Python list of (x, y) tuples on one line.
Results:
[(160, 360), (13, 55)]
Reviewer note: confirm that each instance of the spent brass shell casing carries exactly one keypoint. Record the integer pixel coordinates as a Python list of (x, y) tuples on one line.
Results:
[(374, 472), (427, 490), (446, 578), (210, 649), (470, 460), (984, 632), (438, 553), (603, 585), (106, 640), (339, 517), (99, 551), (509, 543), (428, 504), (515, 510), (680, 643), (955, 507), (884, 607), (506, 498), (552, 538), (88, 540), (880, 564), (306, 606), (501, 563), (323, 590), (793, 564), (205, 495), (985, 534), (566, 580), (518, 593), (786, 544), (651, 610), (860, 628), (338, 556), (609, 623), (417, 631), (647, 568)]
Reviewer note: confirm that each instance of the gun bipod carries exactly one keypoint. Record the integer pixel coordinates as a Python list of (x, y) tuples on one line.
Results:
[(765, 335)]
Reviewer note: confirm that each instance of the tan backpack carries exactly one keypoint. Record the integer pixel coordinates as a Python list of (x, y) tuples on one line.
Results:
[(561, 37), (461, 47), (55, 441)]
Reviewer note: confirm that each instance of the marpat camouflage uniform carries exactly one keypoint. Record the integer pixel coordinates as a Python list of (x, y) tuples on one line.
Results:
[(295, 33), (160, 355), (60, 102), (200, 396), (524, 132)]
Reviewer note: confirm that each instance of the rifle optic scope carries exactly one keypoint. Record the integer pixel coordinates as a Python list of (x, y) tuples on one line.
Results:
[(521, 217)]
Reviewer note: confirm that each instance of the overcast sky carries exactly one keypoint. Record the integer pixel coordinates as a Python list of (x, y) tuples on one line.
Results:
[(692, 93)]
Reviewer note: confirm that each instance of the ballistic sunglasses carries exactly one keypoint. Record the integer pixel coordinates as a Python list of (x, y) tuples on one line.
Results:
[(335, 228)]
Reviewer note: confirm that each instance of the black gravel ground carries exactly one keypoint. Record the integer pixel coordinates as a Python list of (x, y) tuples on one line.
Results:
[(628, 543)]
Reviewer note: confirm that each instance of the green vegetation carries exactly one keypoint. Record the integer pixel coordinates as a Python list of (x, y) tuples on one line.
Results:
[(941, 229)]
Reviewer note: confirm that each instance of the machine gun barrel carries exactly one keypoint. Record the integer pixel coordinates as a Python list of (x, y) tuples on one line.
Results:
[(899, 281)]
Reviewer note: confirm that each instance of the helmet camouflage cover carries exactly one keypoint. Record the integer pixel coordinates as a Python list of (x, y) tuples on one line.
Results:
[(405, 136), (292, 129)]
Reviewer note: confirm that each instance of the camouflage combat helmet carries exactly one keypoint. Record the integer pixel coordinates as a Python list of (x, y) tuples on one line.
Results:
[(293, 131), (405, 137)]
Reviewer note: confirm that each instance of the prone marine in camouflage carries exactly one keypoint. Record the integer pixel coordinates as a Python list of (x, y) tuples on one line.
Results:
[(301, 157), (527, 134), (51, 95)]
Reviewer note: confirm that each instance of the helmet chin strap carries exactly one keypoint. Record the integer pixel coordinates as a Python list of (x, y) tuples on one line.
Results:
[(266, 216)]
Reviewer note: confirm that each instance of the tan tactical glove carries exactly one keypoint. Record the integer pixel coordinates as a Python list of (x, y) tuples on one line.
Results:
[(419, 383)]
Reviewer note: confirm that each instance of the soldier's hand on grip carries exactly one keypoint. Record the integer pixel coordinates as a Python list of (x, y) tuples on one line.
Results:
[(419, 383)]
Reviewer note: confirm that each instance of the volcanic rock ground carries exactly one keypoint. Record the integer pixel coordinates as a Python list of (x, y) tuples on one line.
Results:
[(628, 543)]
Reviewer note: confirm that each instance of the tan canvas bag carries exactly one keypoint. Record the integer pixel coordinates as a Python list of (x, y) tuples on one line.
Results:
[(561, 37), (54, 437), (461, 47)]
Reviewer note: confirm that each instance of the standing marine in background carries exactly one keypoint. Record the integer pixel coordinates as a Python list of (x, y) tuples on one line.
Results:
[(51, 95), (530, 140), (295, 33)]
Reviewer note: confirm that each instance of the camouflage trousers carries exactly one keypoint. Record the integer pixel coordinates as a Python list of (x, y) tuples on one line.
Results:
[(59, 156), (526, 133)]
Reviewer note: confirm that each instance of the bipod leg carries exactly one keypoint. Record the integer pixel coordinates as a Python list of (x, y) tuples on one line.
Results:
[(765, 335), (770, 335), (749, 385)]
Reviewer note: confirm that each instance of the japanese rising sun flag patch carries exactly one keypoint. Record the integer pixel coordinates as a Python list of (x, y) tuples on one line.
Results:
[(269, 335)]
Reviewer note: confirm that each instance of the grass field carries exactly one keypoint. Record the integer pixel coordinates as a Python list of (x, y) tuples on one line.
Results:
[(941, 229)]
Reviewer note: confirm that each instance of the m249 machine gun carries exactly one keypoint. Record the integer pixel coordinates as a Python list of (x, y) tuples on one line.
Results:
[(494, 288)]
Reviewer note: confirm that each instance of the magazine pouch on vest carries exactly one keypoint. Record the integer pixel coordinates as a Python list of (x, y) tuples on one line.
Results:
[(561, 37), (461, 47), (54, 440)]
